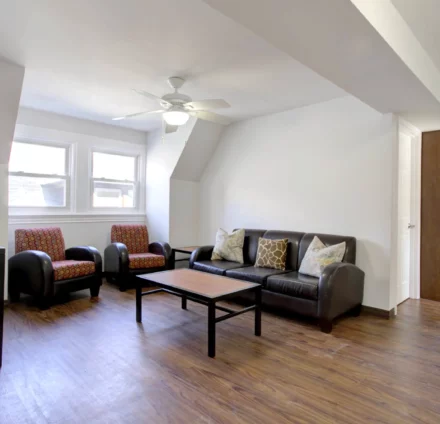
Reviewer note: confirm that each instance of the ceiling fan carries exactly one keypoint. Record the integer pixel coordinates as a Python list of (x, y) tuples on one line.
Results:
[(178, 107)]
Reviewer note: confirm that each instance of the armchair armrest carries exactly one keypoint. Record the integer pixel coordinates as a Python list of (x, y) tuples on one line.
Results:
[(86, 253), (340, 288), (31, 272), (116, 258), (163, 249), (202, 253)]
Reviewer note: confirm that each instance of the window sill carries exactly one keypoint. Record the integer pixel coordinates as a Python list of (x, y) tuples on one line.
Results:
[(76, 218)]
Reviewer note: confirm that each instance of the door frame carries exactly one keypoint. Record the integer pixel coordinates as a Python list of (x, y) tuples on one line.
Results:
[(416, 190)]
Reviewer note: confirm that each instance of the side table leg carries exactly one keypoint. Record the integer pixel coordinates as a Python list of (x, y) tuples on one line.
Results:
[(258, 311), (138, 302), (211, 329), (183, 302)]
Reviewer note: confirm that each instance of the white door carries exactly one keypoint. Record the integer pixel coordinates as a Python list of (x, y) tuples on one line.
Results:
[(404, 217)]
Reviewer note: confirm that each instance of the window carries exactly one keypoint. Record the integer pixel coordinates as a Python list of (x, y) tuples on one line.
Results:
[(38, 175), (114, 180)]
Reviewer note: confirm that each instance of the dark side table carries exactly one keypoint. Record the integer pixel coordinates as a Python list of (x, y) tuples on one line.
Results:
[(188, 250)]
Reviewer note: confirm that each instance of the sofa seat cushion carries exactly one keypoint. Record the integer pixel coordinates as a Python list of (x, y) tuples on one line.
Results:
[(216, 267), (65, 270), (252, 274), (145, 260), (294, 284)]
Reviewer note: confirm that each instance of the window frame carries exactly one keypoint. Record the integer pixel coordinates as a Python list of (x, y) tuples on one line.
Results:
[(68, 177), (136, 182)]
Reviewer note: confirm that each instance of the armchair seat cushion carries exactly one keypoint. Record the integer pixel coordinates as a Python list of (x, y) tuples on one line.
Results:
[(253, 274), (145, 260), (294, 284), (65, 270), (216, 267)]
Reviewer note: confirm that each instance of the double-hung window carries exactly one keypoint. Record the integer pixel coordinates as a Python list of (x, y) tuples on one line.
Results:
[(39, 175), (114, 182)]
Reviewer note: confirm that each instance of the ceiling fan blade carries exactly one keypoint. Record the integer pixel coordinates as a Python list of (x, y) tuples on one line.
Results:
[(151, 96), (207, 104), (170, 128), (132, 115), (211, 116)]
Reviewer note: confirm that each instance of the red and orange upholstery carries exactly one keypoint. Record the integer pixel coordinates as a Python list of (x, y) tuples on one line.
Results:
[(42, 266), (51, 241), (65, 270), (47, 240), (135, 237), (131, 253), (145, 260)]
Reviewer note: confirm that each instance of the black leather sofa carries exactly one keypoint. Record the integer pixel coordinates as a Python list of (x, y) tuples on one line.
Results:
[(339, 289)]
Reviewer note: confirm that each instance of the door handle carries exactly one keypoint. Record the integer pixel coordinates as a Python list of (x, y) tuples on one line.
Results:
[(411, 226)]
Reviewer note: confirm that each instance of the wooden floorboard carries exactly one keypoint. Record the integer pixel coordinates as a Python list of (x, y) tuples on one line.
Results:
[(84, 362)]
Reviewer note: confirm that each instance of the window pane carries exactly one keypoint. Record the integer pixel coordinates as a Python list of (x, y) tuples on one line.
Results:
[(113, 195), (37, 159), (114, 167), (36, 191)]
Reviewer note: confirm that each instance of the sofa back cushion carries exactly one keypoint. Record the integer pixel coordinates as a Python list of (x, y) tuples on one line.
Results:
[(294, 238), (135, 237), (250, 246), (329, 240), (47, 240)]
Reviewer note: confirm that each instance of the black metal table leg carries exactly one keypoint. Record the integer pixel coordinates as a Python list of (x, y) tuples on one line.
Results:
[(183, 302), (138, 302), (258, 311), (211, 329)]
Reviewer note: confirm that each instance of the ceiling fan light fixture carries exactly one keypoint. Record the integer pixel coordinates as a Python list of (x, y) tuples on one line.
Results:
[(176, 117)]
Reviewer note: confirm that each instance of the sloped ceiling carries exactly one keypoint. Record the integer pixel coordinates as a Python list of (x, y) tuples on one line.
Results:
[(336, 40), (83, 58)]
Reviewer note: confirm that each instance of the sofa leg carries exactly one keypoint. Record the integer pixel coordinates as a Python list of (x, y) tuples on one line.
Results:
[(356, 311), (94, 290), (14, 296), (44, 303), (122, 286), (326, 325)]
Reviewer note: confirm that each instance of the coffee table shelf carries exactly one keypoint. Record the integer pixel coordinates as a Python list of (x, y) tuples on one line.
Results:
[(203, 288)]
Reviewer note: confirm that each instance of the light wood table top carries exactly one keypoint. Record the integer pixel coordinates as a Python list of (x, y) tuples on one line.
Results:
[(198, 282)]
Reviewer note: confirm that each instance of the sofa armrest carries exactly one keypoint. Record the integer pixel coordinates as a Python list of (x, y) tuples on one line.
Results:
[(116, 258), (202, 253), (31, 272), (163, 249), (85, 253), (340, 288)]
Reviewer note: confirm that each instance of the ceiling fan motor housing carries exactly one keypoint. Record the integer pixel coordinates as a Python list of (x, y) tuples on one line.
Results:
[(176, 98)]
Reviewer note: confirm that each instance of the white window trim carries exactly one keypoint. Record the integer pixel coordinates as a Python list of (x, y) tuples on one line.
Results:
[(138, 183), (49, 210)]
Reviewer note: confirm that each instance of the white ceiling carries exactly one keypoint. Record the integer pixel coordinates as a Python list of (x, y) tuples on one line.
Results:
[(82, 58), (422, 16)]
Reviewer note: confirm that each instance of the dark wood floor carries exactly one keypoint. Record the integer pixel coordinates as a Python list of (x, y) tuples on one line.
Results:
[(84, 362)]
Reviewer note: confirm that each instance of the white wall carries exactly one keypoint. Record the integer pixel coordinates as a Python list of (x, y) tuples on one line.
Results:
[(11, 81), (162, 156), (324, 168), (184, 213)]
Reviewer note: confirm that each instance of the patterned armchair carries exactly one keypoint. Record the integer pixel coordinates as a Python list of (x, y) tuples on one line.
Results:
[(42, 267), (131, 254)]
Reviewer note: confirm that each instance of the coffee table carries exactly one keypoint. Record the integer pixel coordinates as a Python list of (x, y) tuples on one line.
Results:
[(204, 288)]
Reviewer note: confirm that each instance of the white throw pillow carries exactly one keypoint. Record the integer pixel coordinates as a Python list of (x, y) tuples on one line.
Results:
[(318, 257), (228, 246)]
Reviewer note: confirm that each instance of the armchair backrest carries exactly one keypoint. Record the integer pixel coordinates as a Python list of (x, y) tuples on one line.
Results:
[(47, 240), (135, 237)]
